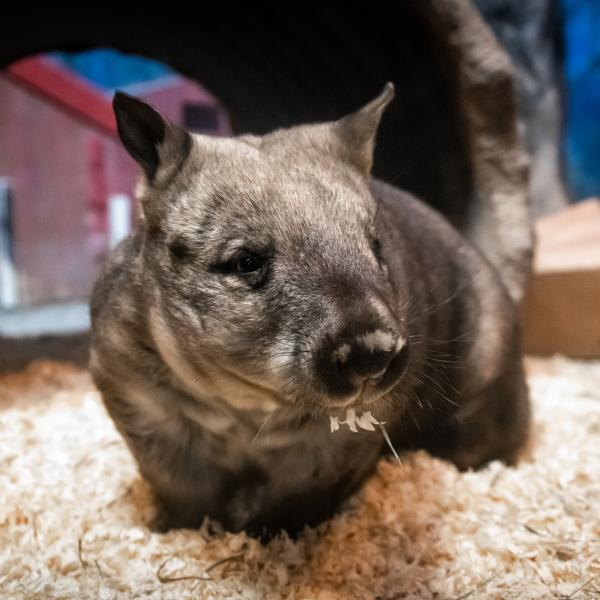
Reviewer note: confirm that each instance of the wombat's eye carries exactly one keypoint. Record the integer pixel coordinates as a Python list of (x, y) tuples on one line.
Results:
[(248, 262), (247, 265)]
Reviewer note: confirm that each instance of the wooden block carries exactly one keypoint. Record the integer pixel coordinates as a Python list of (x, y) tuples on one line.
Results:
[(561, 312)]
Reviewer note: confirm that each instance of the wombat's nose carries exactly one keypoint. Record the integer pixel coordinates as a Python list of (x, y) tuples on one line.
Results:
[(378, 355), (365, 356)]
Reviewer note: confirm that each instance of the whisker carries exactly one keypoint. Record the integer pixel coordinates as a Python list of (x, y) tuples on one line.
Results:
[(261, 428)]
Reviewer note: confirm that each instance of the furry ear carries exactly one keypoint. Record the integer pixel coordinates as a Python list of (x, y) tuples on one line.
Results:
[(158, 146), (357, 130)]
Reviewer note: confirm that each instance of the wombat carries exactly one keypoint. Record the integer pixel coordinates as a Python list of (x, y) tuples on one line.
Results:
[(272, 283)]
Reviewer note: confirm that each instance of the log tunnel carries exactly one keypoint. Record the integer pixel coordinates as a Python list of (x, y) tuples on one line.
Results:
[(450, 136)]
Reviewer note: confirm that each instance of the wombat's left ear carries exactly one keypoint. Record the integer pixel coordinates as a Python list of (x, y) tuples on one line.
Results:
[(158, 146), (357, 130)]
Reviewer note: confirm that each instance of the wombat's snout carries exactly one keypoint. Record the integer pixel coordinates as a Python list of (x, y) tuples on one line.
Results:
[(375, 354)]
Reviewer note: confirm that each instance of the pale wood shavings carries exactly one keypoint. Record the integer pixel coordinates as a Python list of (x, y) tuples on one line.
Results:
[(74, 514)]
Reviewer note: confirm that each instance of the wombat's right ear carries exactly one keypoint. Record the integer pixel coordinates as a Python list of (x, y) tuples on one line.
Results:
[(158, 146), (358, 129)]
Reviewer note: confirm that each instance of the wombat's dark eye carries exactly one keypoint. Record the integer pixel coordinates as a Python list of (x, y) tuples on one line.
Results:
[(252, 268), (248, 262)]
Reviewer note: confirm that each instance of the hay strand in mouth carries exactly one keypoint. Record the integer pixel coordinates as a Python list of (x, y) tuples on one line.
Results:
[(389, 442), (367, 422)]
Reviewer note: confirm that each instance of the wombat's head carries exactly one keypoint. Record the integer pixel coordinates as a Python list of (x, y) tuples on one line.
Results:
[(266, 284)]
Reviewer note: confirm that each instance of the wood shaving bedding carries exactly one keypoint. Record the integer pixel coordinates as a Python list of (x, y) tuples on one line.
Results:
[(73, 514)]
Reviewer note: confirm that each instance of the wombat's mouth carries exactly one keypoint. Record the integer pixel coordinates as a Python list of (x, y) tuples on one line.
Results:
[(367, 392)]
